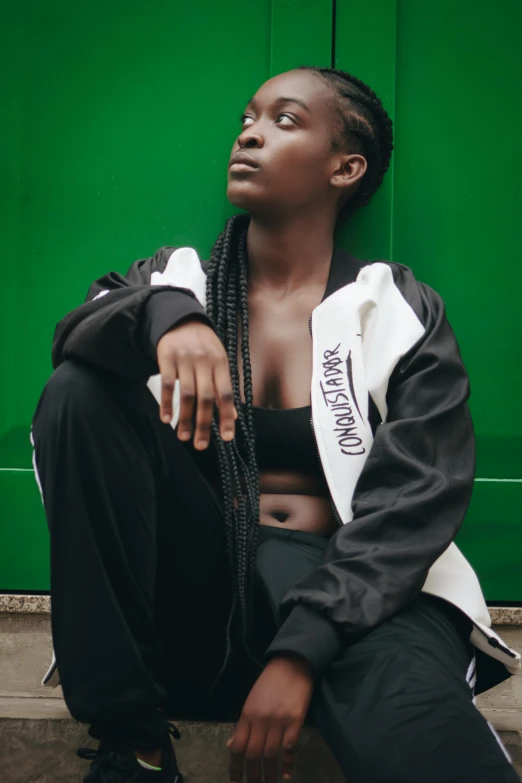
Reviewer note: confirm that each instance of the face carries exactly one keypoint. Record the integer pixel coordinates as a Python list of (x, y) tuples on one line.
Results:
[(286, 131)]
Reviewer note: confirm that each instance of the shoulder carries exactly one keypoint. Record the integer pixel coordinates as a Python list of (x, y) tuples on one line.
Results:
[(423, 300), (141, 270)]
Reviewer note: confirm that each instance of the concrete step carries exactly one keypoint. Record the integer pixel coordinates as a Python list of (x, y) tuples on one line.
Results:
[(44, 724), (38, 741), (34, 717), (26, 650)]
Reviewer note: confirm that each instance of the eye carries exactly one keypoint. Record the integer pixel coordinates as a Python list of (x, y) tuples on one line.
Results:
[(244, 117), (288, 116)]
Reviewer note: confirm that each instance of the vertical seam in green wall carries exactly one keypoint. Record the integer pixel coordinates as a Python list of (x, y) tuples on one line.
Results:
[(334, 33), (393, 110), (271, 42)]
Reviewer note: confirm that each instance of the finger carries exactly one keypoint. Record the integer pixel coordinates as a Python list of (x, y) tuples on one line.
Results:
[(290, 738), (225, 399), (254, 752), (205, 406), (237, 748), (271, 753), (187, 399), (168, 380)]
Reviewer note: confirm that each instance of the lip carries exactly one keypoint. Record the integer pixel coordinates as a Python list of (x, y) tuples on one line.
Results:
[(245, 167), (240, 161)]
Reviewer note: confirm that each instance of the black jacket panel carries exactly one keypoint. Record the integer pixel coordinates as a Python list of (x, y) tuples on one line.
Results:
[(411, 496), (122, 319)]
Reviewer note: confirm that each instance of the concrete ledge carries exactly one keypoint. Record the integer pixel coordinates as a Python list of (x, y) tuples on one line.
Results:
[(28, 708), (41, 604), (503, 720), (17, 708), (38, 736), (25, 604), (506, 615), (25, 630)]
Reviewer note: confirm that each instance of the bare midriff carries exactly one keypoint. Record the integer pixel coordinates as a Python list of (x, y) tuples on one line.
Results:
[(280, 345), (291, 500)]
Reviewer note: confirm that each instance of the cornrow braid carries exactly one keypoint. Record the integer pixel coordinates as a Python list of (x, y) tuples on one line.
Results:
[(367, 129)]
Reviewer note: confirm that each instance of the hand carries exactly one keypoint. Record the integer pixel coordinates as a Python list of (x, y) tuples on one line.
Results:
[(193, 354), (272, 716)]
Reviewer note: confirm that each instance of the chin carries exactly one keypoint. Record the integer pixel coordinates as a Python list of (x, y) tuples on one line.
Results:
[(239, 196)]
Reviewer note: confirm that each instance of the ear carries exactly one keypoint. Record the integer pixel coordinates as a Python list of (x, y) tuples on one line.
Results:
[(349, 170)]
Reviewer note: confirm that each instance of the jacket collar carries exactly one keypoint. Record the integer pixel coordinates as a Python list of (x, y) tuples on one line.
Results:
[(344, 269)]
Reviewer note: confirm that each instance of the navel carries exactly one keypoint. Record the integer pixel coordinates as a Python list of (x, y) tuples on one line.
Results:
[(281, 516)]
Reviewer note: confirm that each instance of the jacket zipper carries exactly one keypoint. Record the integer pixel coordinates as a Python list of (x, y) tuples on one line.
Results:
[(330, 499), (495, 643)]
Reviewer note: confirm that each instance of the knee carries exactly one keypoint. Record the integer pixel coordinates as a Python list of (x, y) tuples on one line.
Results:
[(74, 387), (392, 738), (72, 380)]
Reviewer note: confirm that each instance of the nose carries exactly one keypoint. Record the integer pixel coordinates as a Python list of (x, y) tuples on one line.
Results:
[(249, 139)]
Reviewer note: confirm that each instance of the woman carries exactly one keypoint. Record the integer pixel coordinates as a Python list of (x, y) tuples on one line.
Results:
[(282, 552)]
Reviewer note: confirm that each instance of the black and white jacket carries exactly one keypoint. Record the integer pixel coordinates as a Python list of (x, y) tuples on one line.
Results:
[(382, 348)]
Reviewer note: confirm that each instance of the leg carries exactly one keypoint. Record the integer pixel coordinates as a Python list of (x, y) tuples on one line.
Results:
[(119, 488), (395, 707), (283, 558)]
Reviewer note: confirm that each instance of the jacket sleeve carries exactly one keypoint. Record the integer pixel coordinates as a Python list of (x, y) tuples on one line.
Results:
[(409, 502), (124, 316)]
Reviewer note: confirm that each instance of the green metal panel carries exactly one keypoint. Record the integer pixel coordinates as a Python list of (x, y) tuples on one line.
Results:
[(491, 538), (119, 125), (10, 195), (121, 118), (24, 538), (301, 34), (448, 73), (365, 47)]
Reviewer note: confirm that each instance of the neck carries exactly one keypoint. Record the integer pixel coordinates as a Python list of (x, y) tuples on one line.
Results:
[(284, 258)]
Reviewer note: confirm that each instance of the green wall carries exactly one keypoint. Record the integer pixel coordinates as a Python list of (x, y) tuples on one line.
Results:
[(449, 73), (119, 123)]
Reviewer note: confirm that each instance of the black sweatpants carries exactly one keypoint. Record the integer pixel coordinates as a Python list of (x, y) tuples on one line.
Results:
[(140, 596)]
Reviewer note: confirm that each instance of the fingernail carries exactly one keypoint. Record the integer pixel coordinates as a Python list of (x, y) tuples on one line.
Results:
[(229, 434)]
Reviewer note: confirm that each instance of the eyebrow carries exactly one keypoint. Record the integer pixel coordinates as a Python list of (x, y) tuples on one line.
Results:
[(299, 102)]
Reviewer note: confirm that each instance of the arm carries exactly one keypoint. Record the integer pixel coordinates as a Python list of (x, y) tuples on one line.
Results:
[(409, 502), (123, 318)]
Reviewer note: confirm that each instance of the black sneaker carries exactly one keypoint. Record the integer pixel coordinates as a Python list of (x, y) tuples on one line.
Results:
[(116, 763)]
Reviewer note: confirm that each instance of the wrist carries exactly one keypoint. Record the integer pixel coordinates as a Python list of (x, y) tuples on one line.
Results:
[(295, 659)]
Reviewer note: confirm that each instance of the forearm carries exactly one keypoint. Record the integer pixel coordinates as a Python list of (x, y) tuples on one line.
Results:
[(119, 331)]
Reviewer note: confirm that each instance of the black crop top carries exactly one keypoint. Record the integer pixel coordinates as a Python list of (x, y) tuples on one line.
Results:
[(284, 441)]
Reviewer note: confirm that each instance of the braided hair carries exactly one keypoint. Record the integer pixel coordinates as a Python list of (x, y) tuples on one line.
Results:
[(365, 128)]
